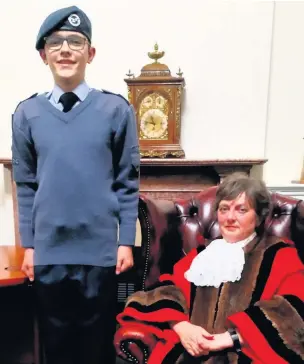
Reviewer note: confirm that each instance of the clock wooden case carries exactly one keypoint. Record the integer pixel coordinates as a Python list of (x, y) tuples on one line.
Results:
[(157, 99)]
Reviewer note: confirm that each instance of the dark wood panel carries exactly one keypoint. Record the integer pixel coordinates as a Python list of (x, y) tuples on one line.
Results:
[(183, 178)]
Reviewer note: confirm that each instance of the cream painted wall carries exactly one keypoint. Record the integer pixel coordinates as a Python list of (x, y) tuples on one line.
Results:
[(285, 122), (242, 61)]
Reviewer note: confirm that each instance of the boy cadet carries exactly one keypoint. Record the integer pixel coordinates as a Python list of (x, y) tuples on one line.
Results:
[(76, 167)]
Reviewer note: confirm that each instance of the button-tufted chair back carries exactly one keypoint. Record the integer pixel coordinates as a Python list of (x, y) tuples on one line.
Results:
[(170, 229)]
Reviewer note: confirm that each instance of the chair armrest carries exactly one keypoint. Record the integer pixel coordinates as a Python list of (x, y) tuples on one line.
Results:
[(134, 344)]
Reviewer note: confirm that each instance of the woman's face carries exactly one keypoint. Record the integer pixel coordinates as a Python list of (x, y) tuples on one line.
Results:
[(237, 219)]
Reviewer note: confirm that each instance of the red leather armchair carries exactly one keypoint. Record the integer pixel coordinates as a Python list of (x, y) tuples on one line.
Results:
[(171, 229)]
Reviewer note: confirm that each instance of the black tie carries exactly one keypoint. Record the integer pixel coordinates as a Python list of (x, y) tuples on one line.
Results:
[(68, 100)]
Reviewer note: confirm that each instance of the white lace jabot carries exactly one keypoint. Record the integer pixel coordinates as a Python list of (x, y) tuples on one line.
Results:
[(220, 262)]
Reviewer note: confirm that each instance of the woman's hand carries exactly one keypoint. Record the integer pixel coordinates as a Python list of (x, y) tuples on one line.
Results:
[(194, 339), (221, 342)]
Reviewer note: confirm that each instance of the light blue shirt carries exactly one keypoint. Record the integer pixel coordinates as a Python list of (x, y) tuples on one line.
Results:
[(82, 91)]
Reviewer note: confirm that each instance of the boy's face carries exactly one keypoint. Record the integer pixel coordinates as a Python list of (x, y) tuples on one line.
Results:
[(67, 53)]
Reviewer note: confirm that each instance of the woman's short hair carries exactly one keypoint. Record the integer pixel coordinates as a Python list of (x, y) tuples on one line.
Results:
[(255, 190)]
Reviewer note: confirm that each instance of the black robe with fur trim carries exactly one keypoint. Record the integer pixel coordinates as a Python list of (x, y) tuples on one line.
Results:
[(265, 305)]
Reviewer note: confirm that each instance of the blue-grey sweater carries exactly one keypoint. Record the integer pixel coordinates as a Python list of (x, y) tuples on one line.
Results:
[(77, 178)]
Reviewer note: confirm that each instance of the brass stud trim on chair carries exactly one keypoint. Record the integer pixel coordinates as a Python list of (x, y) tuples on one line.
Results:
[(147, 249), (130, 357)]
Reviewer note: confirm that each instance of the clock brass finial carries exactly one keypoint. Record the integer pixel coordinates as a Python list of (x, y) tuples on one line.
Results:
[(130, 74), (179, 73), (156, 55)]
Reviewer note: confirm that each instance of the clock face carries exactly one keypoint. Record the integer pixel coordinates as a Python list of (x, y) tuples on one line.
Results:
[(153, 124), (153, 114)]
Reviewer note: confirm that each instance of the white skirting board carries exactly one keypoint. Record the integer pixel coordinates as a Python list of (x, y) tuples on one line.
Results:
[(293, 190)]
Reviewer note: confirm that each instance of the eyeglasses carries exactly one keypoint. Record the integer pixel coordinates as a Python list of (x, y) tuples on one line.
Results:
[(75, 43)]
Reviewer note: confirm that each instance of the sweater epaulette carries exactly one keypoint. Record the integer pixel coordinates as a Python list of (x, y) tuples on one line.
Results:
[(113, 93), (28, 98)]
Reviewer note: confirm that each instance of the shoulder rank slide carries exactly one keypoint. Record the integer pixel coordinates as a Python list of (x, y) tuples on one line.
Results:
[(32, 96), (113, 93)]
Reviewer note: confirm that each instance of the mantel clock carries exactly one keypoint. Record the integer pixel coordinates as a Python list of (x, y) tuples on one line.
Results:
[(157, 98)]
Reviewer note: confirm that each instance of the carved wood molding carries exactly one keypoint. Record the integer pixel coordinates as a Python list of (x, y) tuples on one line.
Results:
[(201, 162), (184, 162)]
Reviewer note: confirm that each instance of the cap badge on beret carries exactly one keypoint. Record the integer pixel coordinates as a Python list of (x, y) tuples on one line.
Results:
[(74, 20)]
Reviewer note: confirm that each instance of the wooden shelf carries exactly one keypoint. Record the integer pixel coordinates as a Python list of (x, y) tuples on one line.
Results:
[(200, 162), (183, 162), (6, 161)]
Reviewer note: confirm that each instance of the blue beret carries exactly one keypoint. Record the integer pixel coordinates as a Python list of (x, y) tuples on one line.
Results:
[(71, 18)]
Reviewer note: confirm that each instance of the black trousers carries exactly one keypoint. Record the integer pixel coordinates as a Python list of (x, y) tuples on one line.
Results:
[(76, 308)]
